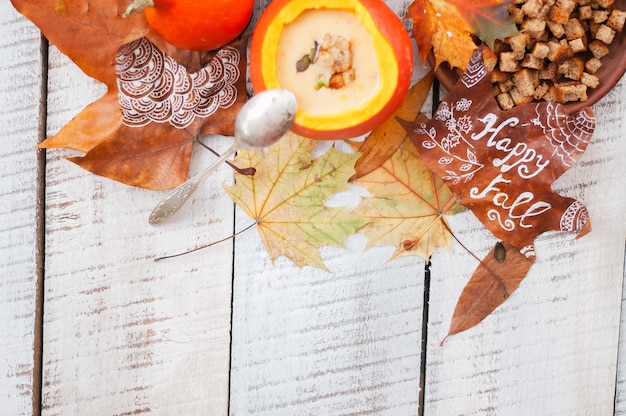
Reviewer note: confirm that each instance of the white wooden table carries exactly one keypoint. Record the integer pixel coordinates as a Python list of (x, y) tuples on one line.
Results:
[(91, 325)]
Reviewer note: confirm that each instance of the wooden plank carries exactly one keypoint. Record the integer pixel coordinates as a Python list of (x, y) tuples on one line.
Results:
[(20, 126), (310, 342), (551, 348), (620, 393), (125, 334)]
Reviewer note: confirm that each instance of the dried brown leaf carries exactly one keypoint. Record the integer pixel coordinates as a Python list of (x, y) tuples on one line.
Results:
[(383, 141), (490, 285)]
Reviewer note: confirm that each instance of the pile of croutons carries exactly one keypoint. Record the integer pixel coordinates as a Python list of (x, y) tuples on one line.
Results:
[(557, 51)]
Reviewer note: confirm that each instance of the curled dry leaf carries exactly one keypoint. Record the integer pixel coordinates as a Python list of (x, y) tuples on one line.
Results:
[(491, 284), (384, 140), (286, 198), (146, 143)]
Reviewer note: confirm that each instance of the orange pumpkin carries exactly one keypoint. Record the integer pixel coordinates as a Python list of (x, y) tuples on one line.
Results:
[(349, 63), (196, 25)]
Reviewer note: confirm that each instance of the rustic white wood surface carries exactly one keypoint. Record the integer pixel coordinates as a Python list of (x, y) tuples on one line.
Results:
[(20, 123), (123, 334)]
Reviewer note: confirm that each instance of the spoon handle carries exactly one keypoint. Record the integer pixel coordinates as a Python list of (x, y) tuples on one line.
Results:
[(177, 197)]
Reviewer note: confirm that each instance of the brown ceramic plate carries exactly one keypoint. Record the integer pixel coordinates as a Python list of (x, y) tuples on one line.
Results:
[(611, 71)]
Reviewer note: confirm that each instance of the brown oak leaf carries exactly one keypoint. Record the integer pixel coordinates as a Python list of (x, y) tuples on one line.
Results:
[(502, 164), (159, 98)]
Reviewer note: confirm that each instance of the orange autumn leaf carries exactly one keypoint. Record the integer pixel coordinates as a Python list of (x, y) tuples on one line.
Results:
[(407, 205), (159, 98), (493, 281), (384, 140), (445, 27)]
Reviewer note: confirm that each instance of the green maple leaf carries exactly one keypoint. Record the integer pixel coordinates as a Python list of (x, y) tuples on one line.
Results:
[(286, 198)]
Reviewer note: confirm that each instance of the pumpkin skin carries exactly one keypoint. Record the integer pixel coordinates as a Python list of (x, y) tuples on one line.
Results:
[(199, 25), (393, 59)]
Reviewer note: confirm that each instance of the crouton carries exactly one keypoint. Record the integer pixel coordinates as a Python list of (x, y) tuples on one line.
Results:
[(530, 61), (550, 95), (508, 63), (585, 13), (605, 3), (532, 8), (516, 14), (558, 52), (490, 59), (567, 5), (605, 34), (574, 29), (526, 80), (549, 72), (590, 80), (533, 27), (558, 15), (519, 98), (616, 20), (573, 91), (598, 48), (600, 16), (506, 85), (540, 50), (556, 29), (540, 91), (505, 101), (578, 45), (499, 76), (518, 44), (592, 65), (572, 68)]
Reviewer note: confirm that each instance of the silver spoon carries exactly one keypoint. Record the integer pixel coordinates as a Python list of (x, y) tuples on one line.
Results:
[(262, 120)]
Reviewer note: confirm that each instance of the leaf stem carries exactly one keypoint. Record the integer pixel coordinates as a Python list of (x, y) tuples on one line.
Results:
[(249, 171), (206, 245), (491, 272), (137, 6)]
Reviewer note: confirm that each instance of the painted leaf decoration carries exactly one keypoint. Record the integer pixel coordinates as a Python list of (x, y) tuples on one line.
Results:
[(286, 198), (159, 97), (491, 284), (518, 154), (384, 140), (407, 205), (446, 26)]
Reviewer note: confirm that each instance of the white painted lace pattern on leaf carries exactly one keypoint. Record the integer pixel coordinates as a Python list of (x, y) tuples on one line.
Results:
[(154, 87), (574, 218), (569, 135)]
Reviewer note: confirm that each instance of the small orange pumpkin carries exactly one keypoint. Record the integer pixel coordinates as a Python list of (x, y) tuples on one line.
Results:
[(349, 63), (195, 25)]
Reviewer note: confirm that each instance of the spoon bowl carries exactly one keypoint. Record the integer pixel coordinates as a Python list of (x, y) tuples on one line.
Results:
[(261, 122)]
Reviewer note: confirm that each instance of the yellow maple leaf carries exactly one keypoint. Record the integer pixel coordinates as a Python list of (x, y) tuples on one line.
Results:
[(407, 205), (286, 198)]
